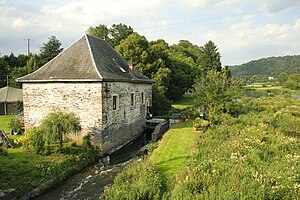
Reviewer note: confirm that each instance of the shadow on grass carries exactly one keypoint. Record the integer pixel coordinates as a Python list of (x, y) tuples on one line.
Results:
[(171, 165)]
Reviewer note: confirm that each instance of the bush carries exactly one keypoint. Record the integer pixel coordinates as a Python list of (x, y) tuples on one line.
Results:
[(32, 139), (201, 124), (16, 126), (86, 141)]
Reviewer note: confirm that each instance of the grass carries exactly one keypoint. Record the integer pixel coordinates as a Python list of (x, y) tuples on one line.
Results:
[(4, 121), (24, 170), (254, 156), (174, 149), (183, 103)]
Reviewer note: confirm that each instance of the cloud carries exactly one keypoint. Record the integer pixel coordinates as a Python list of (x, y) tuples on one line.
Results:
[(18, 23), (243, 30), (242, 42)]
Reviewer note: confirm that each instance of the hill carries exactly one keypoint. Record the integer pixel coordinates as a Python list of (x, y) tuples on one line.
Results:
[(266, 67)]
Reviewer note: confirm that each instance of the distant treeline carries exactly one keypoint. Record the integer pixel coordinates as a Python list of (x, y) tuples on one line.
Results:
[(266, 67)]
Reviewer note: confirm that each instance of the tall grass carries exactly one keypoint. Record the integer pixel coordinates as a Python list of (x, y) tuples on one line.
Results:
[(252, 156)]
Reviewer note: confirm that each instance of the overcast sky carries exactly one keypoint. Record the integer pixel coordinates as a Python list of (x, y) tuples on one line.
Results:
[(242, 29)]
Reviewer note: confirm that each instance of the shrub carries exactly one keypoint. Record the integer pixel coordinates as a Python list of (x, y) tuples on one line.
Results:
[(201, 124), (32, 139), (16, 126), (86, 141)]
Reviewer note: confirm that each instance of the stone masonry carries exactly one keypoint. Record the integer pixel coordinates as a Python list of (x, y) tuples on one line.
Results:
[(93, 103)]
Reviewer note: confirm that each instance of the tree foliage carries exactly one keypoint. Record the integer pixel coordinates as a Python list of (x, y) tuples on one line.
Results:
[(59, 123), (213, 94), (50, 49), (210, 58), (134, 48), (52, 128), (113, 35), (266, 67), (293, 82), (282, 77)]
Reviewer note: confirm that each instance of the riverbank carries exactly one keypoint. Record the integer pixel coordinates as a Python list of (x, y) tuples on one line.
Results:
[(252, 156), (31, 174)]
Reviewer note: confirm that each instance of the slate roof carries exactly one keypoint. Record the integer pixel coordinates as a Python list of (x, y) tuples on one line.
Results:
[(89, 59)]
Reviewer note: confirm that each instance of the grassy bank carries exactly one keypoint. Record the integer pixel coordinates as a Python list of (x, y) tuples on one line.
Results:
[(253, 156), (174, 149), (25, 171)]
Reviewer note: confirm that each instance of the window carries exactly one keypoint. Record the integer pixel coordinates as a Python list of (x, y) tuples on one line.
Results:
[(115, 102), (143, 97), (132, 99)]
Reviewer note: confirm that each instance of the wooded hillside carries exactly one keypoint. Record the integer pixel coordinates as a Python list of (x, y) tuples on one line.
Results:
[(266, 67)]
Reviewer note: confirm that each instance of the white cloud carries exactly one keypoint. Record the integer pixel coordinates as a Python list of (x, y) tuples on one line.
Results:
[(18, 23), (243, 30)]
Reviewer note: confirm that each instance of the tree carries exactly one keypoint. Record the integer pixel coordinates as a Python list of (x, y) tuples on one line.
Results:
[(113, 35), (213, 94), (210, 58), (59, 123), (293, 82), (50, 49), (282, 77), (162, 78), (100, 31), (119, 32), (3, 72), (134, 48), (32, 64), (161, 105)]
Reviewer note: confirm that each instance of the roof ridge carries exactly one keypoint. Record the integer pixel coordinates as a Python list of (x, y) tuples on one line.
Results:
[(91, 54), (65, 49)]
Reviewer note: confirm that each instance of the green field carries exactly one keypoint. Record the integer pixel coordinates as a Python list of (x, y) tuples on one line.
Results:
[(183, 103), (174, 149), (4, 121)]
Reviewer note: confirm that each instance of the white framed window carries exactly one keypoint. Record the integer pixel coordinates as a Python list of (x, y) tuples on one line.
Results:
[(143, 97), (132, 99), (115, 102)]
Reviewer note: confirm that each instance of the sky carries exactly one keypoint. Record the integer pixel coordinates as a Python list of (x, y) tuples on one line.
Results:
[(243, 30)]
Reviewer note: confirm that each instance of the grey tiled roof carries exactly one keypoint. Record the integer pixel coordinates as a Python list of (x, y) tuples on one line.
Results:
[(88, 59)]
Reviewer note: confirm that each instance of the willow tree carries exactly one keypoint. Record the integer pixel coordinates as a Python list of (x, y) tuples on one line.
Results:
[(59, 123)]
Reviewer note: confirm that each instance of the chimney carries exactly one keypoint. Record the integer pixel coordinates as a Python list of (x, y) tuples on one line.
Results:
[(131, 67)]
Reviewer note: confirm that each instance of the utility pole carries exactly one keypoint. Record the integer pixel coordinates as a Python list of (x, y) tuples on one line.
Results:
[(28, 45), (7, 80)]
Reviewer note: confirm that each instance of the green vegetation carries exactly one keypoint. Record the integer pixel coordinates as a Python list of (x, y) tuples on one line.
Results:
[(252, 156), (4, 122), (170, 157), (183, 103), (52, 128), (25, 170), (265, 67)]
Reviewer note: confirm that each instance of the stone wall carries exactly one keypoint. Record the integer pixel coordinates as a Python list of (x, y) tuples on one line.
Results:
[(93, 103), (127, 122), (84, 99)]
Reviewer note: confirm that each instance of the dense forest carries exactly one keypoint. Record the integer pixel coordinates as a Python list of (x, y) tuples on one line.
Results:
[(266, 67)]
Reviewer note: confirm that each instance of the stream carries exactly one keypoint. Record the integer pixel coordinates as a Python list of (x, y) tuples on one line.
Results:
[(90, 182)]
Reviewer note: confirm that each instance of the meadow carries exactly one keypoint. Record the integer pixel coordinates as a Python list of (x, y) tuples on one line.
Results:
[(252, 156)]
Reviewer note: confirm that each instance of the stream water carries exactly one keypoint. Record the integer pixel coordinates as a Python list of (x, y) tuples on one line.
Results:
[(90, 183)]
